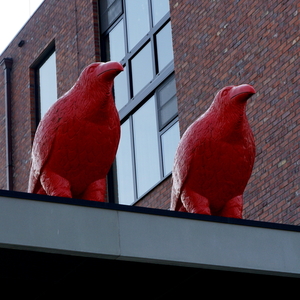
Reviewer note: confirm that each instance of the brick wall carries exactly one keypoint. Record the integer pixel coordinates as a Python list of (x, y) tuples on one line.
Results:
[(215, 44), (2, 131), (159, 197), (218, 43), (73, 26)]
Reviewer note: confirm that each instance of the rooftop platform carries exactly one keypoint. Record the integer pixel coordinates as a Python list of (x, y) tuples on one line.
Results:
[(49, 244)]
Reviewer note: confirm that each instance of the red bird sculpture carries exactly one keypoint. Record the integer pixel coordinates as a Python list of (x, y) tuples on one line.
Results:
[(77, 139), (215, 157)]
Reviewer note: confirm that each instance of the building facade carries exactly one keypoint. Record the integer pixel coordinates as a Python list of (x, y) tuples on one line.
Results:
[(176, 56)]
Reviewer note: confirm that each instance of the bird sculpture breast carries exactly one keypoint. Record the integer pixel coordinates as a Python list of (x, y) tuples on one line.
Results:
[(215, 157), (77, 139)]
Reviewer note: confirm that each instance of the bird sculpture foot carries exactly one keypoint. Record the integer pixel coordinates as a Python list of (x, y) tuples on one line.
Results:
[(195, 203), (233, 208), (54, 185), (95, 191)]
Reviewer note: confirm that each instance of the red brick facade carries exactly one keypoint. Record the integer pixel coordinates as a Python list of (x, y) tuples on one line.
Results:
[(215, 44), (256, 42)]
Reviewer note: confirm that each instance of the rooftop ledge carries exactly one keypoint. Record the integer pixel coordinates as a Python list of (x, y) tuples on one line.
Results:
[(104, 230), (125, 233)]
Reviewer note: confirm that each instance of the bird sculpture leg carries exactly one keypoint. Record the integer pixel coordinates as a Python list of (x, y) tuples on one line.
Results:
[(233, 208), (55, 185), (96, 191), (195, 203)]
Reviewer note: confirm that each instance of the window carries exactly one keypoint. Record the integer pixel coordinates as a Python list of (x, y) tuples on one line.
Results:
[(137, 20), (46, 83), (141, 68), (164, 46), (137, 33)]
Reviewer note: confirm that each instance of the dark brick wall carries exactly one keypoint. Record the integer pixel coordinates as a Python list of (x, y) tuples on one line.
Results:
[(73, 25), (219, 43), (159, 197)]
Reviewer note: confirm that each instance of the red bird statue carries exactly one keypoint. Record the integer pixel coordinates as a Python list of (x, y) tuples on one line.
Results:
[(215, 157), (77, 139)]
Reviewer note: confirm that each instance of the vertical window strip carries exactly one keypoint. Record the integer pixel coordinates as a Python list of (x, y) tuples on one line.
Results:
[(147, 140)]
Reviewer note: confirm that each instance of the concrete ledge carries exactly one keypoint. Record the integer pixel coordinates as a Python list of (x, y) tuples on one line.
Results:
[(103, 230)]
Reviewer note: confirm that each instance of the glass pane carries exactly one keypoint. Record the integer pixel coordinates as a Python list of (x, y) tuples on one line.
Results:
[(168, 112), (159, 9), (167, 102), (167, 91), (146, 147), (169, 141), (164, 46), (121, 89), (137, 14), (110, 11), (116, 42), (142, 69), (124, 166), (48, 85)]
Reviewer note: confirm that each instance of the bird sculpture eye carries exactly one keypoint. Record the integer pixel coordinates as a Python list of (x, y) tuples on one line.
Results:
[(91, 69), (224, 93)]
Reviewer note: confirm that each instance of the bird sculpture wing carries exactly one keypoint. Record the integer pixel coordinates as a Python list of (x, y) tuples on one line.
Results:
[(182, 162), (43, 142)]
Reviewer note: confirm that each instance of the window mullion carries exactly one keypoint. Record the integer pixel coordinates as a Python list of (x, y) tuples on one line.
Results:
[(150, 14), (125, 28), (154, 56), (159, 139), (133, 156), (126, 110)]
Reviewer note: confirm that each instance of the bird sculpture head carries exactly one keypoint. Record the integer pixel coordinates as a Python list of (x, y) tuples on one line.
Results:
[(231, 100), (234, 95), (228, 109), (99, 74)]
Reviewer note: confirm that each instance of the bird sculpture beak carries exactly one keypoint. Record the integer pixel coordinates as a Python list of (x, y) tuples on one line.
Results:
[(243, 92), (110, 69)]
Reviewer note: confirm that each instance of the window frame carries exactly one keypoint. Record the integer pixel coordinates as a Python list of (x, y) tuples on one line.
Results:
[(136, 101), (113, 190), (45, 55)]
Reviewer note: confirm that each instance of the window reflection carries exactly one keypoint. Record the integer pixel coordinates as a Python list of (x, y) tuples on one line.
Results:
[(47, 84), (164, 46), (124, 166), (137, 21), (142, 69), (116, 42), (110, 11), (146, 147), (159, 9), (121, 89), (169, 142), (167, 102)]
